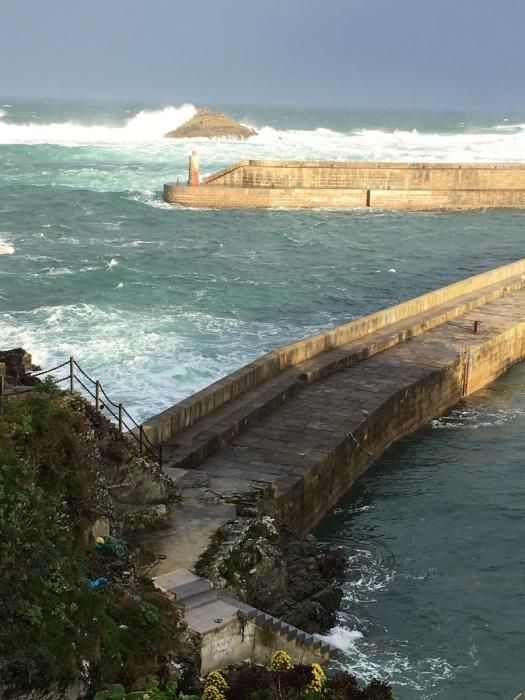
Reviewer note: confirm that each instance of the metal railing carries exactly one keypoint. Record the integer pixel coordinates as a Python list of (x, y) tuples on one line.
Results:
[(95, 391)]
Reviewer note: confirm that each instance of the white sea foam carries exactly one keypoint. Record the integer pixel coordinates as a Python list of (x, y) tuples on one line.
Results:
[(471, 418), (501, 142), (2, 113), (148, 364), (5, 247), (146, 126)]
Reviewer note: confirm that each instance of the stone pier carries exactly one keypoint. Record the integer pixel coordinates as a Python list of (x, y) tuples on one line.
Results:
[(349, 185), (305, 420), (297, 427)]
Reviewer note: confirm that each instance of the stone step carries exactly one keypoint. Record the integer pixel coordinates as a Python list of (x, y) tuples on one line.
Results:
[(192, 588), (175, 578), (199, 599)]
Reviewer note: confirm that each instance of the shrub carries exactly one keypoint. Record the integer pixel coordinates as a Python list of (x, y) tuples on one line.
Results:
[(52, 621)]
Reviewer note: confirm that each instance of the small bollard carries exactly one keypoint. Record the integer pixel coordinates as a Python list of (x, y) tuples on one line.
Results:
[(477, 326)]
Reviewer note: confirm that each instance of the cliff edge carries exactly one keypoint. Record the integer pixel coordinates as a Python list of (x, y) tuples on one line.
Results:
[(209, 124)]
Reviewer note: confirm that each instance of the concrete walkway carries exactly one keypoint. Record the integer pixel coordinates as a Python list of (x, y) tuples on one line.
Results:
[(285, 446), (300, 437)]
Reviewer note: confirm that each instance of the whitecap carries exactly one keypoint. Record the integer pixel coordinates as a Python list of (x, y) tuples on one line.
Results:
[(146, 126), (6, 248)]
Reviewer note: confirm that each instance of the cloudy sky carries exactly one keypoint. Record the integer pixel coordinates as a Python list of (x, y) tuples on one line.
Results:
[(356, 53)]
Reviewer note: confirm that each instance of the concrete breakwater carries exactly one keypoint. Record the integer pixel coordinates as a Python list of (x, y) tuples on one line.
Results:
[(349, 185), (300, 424)]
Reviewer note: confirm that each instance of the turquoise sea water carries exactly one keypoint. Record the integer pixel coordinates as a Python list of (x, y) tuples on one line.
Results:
[(158, 302), (434, 532)]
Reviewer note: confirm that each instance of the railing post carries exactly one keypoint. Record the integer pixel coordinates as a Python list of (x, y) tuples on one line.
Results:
[(141, 438), (71, 375), (97, 395), (120, 418), (160, 455)]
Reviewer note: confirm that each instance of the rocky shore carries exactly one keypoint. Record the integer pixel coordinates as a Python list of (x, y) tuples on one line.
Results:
[(77, 610), (276, 570), (211, 125)]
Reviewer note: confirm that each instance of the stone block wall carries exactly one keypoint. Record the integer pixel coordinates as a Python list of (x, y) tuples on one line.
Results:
[(308, 501), (490, 284), (346, 185), (366, 175)]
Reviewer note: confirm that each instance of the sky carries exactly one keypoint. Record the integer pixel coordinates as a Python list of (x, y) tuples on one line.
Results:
[(350, 53)]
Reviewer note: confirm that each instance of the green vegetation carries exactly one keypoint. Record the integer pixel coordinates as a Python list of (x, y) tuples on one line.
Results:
[(153, 691), (55, 627), (281, 681)]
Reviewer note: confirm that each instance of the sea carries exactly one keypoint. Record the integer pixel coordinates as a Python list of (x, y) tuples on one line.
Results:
[(158, 301)]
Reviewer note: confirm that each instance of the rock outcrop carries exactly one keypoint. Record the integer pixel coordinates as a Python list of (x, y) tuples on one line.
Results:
[(18, 367), (276, 570), (212, 125)]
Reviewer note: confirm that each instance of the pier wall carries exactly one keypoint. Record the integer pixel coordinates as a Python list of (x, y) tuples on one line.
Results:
[(307, 419), (344, 185), (485, 286), (307, 502), (381, 176)]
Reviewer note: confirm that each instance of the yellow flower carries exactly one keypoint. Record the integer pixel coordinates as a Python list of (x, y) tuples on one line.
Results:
[(212, 693), (280, 662), (318, 679), (216, 680)]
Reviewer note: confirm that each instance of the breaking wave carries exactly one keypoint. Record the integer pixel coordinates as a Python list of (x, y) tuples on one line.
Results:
[(145, 126), (505, 144), (501, 142)]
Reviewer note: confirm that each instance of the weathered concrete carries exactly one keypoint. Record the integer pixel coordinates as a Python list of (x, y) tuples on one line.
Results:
[(302, 423), (231, 632), (186, 534), (297, 427), (318, 184)]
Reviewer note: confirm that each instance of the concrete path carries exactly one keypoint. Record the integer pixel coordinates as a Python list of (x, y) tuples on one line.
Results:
[(277, 450), (187, 534), (301, 436)]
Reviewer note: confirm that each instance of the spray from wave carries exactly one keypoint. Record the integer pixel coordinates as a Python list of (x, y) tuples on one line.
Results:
[(146, 126), (498, 143)]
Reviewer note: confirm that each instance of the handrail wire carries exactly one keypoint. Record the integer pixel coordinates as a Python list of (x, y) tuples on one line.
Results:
[(149, 445), (83, 386), (107, 397), (84, 373), (144, 436), (143, 440), (46, 371)]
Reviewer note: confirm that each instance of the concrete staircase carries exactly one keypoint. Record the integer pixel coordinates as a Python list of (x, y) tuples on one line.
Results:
[(232, 631)]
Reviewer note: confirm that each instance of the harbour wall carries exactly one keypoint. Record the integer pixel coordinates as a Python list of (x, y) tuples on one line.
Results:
[(483, 287), (307, 502), (318, 184), (203, 425)]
